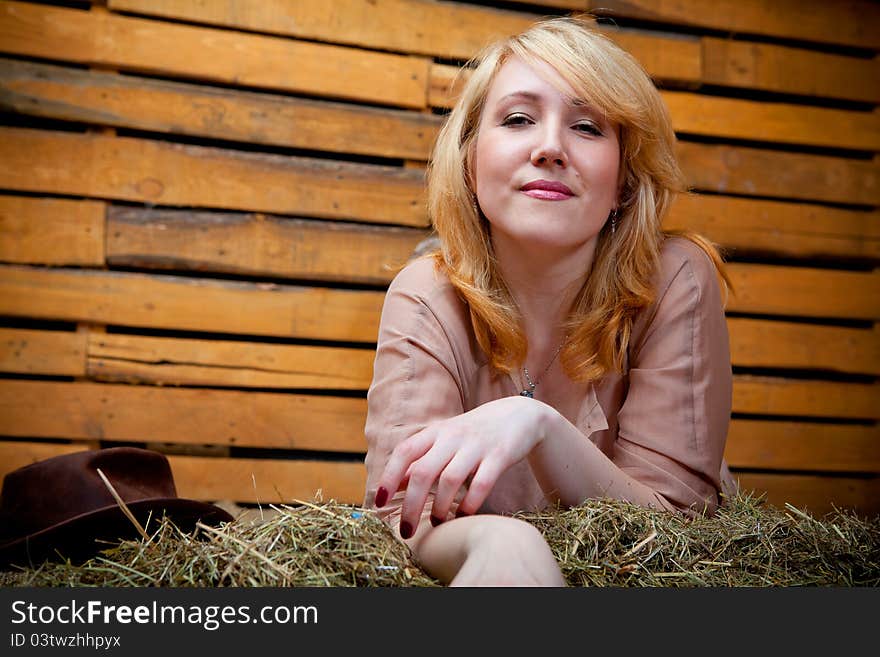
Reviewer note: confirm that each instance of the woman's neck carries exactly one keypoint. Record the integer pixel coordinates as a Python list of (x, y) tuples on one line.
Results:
[(544, 283)]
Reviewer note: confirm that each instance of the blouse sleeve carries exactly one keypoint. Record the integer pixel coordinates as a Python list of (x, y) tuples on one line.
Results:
[(416, 381), (674, 421)]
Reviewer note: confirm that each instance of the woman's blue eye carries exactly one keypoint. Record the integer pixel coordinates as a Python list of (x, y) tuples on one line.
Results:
[(588, 128), (516, 119)]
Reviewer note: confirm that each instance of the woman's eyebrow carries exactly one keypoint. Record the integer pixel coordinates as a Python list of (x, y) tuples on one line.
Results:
[(520, 95)]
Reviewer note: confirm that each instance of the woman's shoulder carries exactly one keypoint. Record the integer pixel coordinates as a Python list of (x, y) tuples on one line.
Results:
[(424, 284), (684, 262)]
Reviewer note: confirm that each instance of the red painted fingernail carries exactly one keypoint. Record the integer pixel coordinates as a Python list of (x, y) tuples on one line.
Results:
[(461, 514), (436, 521), (381, 496), (406, 530)]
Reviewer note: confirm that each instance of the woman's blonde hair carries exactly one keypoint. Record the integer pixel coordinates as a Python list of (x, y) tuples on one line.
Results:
[(619, 284)]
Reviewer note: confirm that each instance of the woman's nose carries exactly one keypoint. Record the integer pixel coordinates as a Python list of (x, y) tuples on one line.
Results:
[(549, 150)]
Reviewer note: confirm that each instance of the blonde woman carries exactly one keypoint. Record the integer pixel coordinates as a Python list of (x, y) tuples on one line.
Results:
[(559, 346)]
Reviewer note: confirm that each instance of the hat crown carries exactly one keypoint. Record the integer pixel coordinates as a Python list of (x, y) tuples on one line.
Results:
[(64, 487)]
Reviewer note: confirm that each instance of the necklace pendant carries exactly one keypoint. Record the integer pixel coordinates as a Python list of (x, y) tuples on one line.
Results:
[(528, 393)]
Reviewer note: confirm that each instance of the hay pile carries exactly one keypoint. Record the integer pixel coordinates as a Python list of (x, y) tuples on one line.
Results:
[(601, 543)]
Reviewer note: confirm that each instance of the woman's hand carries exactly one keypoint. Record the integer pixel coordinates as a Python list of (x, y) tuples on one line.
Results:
[(481, 444)]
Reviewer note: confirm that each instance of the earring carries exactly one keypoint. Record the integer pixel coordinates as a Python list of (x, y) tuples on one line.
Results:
[(613, 218)]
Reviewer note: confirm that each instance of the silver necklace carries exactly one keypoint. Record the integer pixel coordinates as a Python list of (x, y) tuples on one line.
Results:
[(530, 391)]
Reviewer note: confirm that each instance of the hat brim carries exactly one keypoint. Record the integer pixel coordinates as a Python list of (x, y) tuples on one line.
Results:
[(82, 537)]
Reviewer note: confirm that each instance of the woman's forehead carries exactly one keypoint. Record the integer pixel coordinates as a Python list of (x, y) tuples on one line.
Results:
[(533, 80)]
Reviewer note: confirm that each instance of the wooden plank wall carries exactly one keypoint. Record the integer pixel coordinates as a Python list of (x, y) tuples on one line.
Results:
[(201, 204)]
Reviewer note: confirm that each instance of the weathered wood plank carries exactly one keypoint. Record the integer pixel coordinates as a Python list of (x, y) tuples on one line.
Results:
[(777, 396), (444, 29), (258, 245), (802, 446), (177, 361), (768, 67), (268, 481), (263, 481), (53, 353), (804, 291), (186, 304), (156, 414), (211, 55), (759, 343), (815, 493), (147, 171), (845, 22), (741, 170), (51, 231), (127, 101), (777, 227), (18, 454), (784, 123)]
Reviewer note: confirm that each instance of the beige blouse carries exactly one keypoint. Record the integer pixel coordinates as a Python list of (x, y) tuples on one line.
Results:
[(663, 422)]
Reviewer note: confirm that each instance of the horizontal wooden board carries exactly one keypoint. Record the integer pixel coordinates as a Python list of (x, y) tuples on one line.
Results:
[(268, 481), (770, 67), (147, 171), (816, 494), (190, 304), (127, 101), (803, 446), (53, 353), (254, 481), (443, 29), (761, 343), (747, 171), (214, 55), (804, 291), (844, 22), (807, 230), (806, 398), (176, 361), (51, 231), (157, 414), (774, 122), (258, 245)]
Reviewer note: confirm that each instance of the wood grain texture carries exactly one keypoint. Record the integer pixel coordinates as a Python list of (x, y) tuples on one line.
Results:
[(805, 398), (853, 21), (258, 245), (804, 291), (148, 171), (190, 304), (51, 231), (778, 228), (816, 494), (212, 55), (268, 481), (52, 353), (156, 414), (745, 170), (443, 29), (802, 446), (179, 361), (775, 68), (127, 101), (772, 122), (761, 343), (209, 479)]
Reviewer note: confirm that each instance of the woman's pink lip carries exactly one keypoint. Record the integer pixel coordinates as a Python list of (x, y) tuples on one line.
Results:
[(547, 190), (546, 194)]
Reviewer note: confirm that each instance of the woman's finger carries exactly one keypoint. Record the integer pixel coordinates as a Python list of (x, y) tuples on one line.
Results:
[(451, 480), (482, 483), (399, 465)]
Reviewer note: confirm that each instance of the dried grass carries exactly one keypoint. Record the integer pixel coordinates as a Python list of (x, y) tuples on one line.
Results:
[(601, 543)]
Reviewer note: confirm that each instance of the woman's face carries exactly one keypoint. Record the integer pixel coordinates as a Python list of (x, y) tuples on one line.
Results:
[(546, 165)]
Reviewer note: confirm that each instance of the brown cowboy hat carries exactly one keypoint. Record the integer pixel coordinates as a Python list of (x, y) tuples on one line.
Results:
[(61, 508)]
